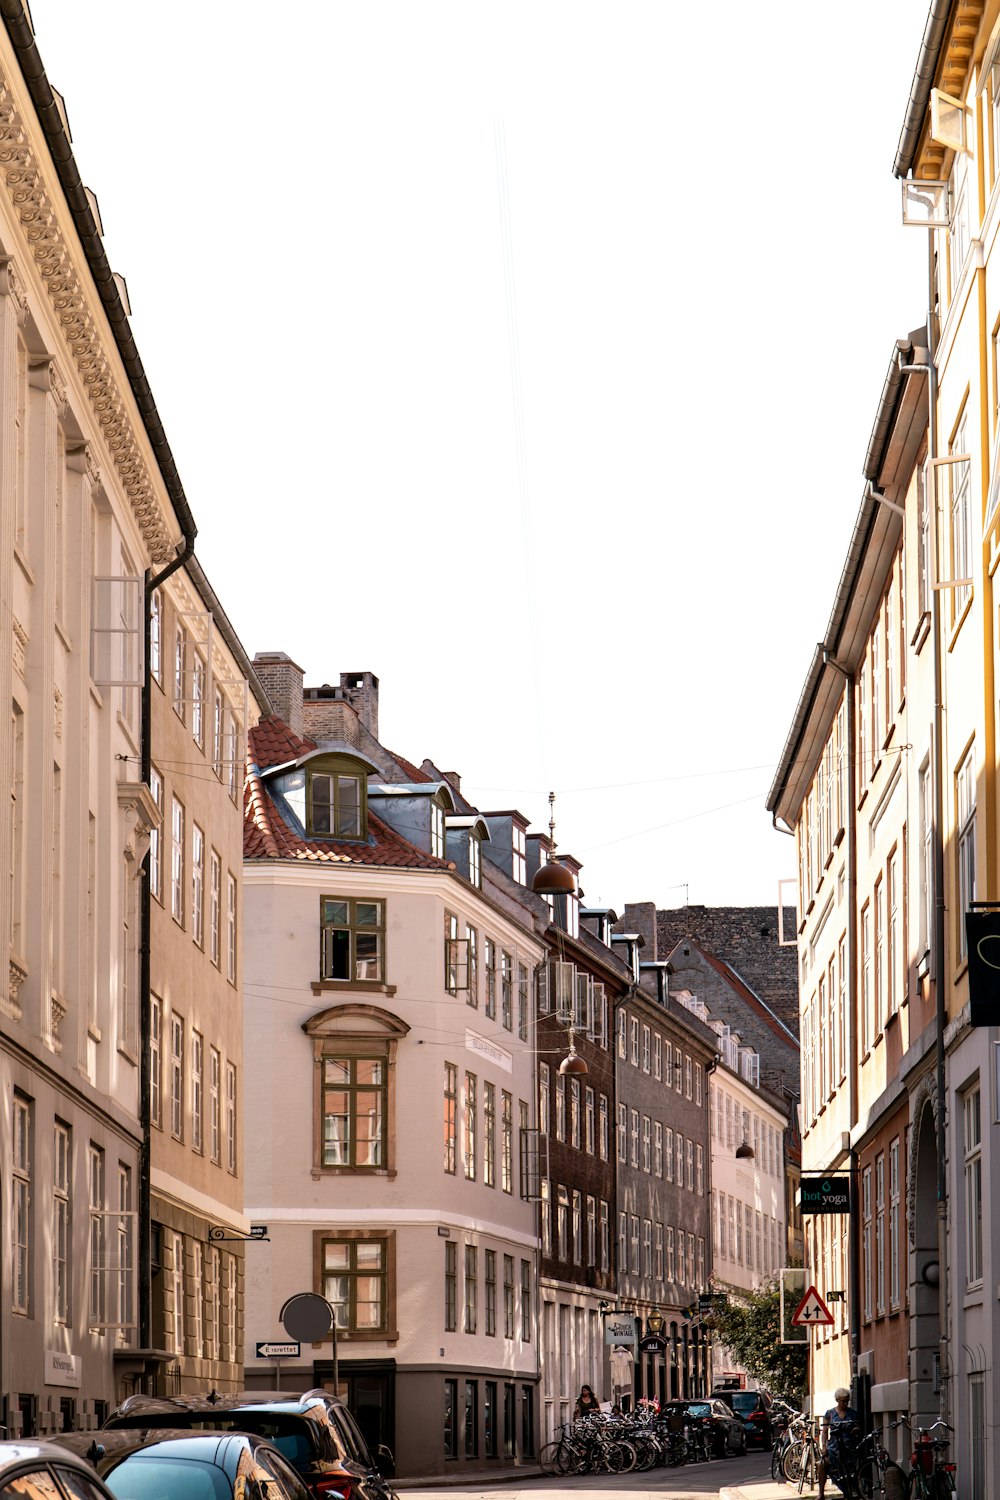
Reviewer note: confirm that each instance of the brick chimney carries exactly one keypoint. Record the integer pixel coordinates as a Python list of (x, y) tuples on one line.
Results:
[(361, 691), (282, 680)]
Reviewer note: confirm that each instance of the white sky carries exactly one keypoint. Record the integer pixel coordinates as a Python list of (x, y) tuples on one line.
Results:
[(710, 273)]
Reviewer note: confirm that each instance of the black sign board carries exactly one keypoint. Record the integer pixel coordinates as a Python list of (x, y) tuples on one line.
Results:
[(825, 1195), (982, 936), (653, 1343)]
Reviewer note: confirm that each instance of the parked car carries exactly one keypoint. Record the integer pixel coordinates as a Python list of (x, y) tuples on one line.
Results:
[(754, 1408), (194, 1466), (43, 1471), (725, 1432), (316, 1433)]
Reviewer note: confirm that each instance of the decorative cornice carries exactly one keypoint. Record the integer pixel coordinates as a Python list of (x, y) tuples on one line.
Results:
[(34, 204), (12, 286)]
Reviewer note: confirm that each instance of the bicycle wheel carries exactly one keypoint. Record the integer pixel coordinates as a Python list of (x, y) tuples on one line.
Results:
[(807, 1475), (944, 1484), (614, 1457), (548, 1459), (629, 1457), (777, 1456), (791, 1463)]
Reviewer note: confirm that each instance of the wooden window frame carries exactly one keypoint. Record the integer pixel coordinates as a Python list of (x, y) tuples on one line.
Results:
[(355, 1030), (390, 1333)]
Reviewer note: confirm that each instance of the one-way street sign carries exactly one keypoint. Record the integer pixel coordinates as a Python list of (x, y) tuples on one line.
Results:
[(812, 1311), (287, 1350)]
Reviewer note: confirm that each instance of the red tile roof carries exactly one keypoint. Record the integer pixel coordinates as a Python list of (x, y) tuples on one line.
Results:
[(412, 771), (272, 743), (266, 835)]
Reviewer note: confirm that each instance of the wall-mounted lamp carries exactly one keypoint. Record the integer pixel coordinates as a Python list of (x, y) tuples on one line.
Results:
[(744, 1151), (655, 1323)]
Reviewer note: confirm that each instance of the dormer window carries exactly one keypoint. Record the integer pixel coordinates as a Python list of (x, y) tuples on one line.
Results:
[(437, 831), (335, 805), (520, 859)]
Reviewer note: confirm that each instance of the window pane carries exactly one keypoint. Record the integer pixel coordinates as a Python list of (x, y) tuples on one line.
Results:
[(369, 1253), (337, 1070), (349, 812), (322, 803), (369, 913), (336, 1256)]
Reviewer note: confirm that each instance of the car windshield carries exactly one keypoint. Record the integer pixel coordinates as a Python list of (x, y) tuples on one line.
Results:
[(146, 1478), (699, 1409), (744, 1401)]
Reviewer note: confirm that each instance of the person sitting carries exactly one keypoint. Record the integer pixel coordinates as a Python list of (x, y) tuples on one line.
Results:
[(587, 1404), (841, 1434)]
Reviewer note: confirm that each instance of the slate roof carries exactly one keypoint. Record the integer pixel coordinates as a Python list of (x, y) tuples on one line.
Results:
[(267, 835)]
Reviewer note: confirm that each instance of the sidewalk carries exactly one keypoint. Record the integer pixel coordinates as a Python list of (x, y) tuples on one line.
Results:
[(769, 1489)]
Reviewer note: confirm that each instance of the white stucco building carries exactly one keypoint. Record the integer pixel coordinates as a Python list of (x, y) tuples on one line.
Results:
[(390, 1077)]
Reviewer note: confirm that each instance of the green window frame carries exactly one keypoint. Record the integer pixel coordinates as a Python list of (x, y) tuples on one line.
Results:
[(352, 940), (336, 803), (355, 1283), (354, 1112)]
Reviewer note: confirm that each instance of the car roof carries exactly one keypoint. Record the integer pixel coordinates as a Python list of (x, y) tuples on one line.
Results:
[(17, 1452), (287, 1400)]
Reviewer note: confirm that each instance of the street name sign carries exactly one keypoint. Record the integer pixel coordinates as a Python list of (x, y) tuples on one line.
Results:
[(812, 1311), (288, 1350)]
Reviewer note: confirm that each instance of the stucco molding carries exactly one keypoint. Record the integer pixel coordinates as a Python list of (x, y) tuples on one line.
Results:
[(79, 319), (923, 1095)]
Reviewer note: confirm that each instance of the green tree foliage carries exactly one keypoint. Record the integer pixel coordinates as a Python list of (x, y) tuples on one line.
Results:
[(751, 1329)]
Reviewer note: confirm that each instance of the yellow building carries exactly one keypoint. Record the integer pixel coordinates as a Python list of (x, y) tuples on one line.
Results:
[(916, 636)]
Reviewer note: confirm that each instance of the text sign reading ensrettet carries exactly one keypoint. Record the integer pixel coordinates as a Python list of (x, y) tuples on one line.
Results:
[(825, 1195), (288, 1350)]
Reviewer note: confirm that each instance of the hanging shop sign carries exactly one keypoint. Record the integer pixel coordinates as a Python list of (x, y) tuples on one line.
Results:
[(982, 936), (825, 1195)]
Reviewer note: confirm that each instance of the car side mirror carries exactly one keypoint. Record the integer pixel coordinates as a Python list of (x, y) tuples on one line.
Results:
[(385, 1461)]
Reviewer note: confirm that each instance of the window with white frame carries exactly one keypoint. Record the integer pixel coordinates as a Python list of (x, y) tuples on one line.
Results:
[(198, 701), (214, 907), (965, 799), (880, 1232), (155, 842), (231, 927), (959, 231), (196, 1334), (177, 859), (62, 1242), (21, 1206), (961, 515), (894, 1225), (177, 1290), (867, 1030), (645, 1049), (231, 1117), (197, 1091), (197, 885), (214, 1104), (124, 1283), (179, 659), (973, 1175), (894, 935), (156, 636), (658, 1057), (633, 1041), (603, 1142), (177, 1077), (926, 877), (156, 1061), (98, 1237)]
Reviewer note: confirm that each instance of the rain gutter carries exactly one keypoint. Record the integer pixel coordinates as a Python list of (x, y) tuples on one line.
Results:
[(920, 89)]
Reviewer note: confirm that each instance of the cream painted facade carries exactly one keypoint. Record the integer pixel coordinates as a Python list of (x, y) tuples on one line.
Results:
[(201, 707), (84, 512), (456, 1249), (924, 807), (748, 1194)]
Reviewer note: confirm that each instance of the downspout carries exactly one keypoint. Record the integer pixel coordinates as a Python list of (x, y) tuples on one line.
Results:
[(145, 1268), (854, 1256), (938, 960)]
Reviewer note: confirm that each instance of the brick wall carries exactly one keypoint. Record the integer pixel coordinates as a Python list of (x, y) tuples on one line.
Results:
[(746, 938)]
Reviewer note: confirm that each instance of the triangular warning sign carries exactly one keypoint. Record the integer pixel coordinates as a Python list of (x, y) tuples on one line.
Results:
[(812, 1311)]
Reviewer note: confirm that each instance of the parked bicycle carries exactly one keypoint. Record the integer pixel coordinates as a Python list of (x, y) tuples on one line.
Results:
[(800, 1465), (931, 1476), (874, 1462)]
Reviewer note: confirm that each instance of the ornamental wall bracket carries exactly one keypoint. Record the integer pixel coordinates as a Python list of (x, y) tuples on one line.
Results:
[(258, 1235), (142, 815), (12, 286)]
